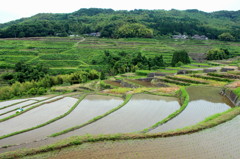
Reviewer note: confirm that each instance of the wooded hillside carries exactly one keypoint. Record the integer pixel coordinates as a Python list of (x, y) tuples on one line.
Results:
[(115, 24)]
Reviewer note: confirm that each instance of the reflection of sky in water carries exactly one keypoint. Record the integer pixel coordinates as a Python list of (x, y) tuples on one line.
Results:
[(90, 107), (211, 94), (141, 112), (195, 112)]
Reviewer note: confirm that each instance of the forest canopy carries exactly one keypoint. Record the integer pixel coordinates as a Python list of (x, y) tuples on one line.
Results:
[(115, 24)]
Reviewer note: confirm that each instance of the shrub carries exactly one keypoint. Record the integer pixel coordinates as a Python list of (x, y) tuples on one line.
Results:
[(180, 56)]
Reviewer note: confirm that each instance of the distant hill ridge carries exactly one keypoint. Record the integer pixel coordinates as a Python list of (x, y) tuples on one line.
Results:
[(114, 24)]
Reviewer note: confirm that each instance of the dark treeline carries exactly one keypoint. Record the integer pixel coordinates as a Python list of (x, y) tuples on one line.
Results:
[(122, 62), (135, 23)]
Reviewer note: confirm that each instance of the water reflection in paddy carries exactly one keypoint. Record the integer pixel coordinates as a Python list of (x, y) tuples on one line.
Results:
[(141, 112), (204, 102), (90, 107)]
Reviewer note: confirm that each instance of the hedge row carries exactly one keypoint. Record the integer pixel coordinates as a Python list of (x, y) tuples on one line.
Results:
[(185, 80), (212, 78)]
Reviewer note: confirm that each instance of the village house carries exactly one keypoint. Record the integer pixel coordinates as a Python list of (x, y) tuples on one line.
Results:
[(198, 37), (97, 34), (180, 36)]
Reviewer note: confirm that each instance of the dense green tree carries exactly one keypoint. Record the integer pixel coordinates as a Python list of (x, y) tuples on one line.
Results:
[(218, 54), (180, 56), (25, 72), (226, 37), (134, 30)]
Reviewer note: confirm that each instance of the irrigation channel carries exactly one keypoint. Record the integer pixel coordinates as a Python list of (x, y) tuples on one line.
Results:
[(204, 102)]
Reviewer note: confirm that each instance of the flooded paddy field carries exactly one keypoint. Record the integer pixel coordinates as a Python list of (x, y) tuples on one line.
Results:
[(90, 107), (204, 102), (18, 101), (37, 116), (141, 112), (114, 83), (142, 83), (220, 142), (16, 106), (25, 105), (11, 102)]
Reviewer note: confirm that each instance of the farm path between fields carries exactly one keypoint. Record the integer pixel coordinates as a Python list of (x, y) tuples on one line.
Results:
[(82, 40)]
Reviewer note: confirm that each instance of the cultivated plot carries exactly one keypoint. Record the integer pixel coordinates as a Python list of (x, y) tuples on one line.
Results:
[(141, 112), (208, 103), (37, 116), (16, 106), (221, 141), (90, 107), (11, 102)]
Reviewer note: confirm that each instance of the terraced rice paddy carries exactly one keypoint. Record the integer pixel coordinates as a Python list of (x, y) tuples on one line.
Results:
[(90, 107), (11, 108), (141, 112), (11, 102), (37, 116), (68, 55), (204, 102), (220, 142), (16, 106), (143, 83)]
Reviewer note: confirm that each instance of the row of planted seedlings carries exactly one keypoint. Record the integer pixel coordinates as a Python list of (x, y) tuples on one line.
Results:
[(210, 77), (225, 75), (78, 140)]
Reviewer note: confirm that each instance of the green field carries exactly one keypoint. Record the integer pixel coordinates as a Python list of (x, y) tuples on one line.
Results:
[(77, 53)]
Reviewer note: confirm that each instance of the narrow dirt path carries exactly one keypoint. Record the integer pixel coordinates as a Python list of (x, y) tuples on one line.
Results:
[(82, 40)]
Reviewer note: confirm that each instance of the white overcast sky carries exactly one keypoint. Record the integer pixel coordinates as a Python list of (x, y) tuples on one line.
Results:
[(15, 9)]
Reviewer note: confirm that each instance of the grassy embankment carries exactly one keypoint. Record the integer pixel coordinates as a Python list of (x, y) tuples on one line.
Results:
[(184, 99), (237, 91)]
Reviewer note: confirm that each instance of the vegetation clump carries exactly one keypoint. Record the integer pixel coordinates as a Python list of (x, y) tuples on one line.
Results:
[(134, 30), (123, 62), (42, 85), (237, 91), (218, 54), (180, 57), (226, 37)]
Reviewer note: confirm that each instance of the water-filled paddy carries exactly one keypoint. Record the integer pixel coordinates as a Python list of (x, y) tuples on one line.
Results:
[(90, 107), (142, 83), (10, 102), (220, 142), (37, 116), (141, 112), (204, 102), (16, 106)]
